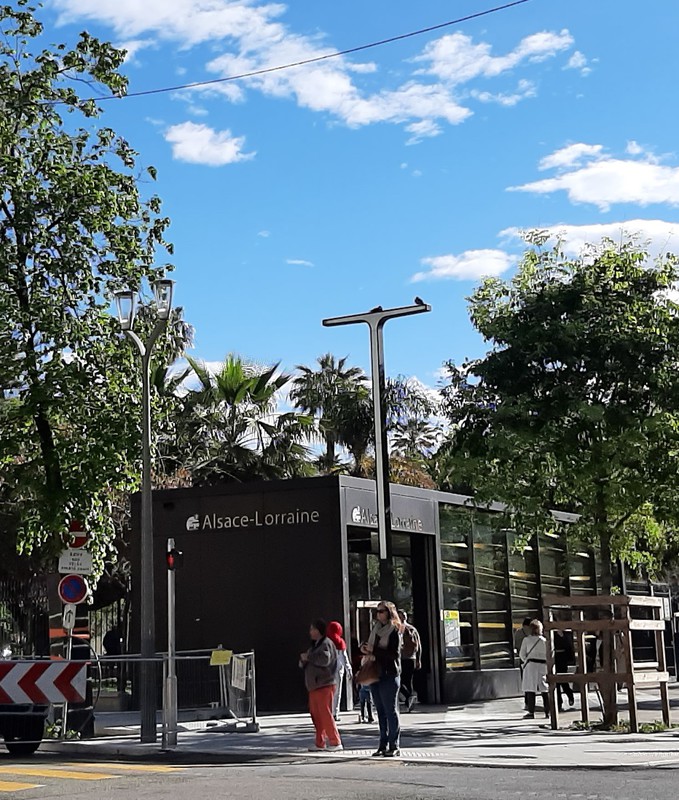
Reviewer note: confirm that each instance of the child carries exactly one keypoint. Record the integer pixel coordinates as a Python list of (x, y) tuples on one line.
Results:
[(365, 698)]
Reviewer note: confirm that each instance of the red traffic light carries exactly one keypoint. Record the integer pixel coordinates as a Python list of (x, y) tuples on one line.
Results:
[(174, 558)]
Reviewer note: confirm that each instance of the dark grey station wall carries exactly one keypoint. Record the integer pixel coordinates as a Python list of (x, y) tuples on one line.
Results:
[(260, 562)]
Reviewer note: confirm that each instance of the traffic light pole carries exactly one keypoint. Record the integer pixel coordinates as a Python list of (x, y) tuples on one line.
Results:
[(169, 738)]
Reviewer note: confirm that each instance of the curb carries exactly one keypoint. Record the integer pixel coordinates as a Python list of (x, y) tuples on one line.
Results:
[(180, 757)]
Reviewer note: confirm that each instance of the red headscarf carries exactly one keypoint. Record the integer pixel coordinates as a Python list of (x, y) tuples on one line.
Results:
[(334, 633)]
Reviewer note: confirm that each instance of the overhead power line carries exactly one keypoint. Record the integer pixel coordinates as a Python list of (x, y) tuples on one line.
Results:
[(316, 59)]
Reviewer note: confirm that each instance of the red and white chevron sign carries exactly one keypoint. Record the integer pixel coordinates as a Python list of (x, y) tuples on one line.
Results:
[(42, 681)]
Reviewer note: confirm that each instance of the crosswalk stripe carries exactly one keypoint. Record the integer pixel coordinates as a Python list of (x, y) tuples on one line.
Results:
[(15, 786), (125, 766), (36, 772)]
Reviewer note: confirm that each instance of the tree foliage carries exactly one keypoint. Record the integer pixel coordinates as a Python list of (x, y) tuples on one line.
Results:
[(575, 406), (230, 429), (73, 228)]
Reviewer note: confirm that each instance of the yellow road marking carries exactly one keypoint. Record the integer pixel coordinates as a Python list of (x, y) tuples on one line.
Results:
[(14, 786), (36, 772), (125, 766)]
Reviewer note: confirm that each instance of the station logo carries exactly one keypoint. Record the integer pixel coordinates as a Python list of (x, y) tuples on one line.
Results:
[(193, 523)]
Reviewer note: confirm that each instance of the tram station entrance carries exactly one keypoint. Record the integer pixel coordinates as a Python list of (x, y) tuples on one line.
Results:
[(262, 560), (414, 570)]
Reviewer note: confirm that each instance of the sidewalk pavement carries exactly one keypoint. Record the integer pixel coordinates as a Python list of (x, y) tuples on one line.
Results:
[(489, 734)]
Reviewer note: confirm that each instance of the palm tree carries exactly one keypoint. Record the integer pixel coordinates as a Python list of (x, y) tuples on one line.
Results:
[(233, 430), (326, 393), (415, 439)]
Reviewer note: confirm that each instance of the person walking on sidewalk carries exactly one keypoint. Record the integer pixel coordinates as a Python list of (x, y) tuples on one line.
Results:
[(384, 644), (533, 655), (344, 673), (365, 695), (411, 658), (319, 663), (564, 656)]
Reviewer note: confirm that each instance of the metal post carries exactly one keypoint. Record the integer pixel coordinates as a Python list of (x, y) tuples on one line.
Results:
[(147, 676), (382, 493), (170, 704), (64, 708), (376, 319)]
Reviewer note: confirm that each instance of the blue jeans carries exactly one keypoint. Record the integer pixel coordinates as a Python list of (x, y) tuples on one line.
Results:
[(385, 697)]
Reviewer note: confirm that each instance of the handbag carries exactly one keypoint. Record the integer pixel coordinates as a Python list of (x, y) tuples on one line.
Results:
[(369, 673)]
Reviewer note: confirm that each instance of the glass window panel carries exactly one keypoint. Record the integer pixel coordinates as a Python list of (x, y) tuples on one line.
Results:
[(523, 580), (554, 566), (582, 569), (455, 527), (490, 570)]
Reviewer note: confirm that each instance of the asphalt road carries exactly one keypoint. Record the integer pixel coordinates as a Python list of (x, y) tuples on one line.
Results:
[(46, 778)]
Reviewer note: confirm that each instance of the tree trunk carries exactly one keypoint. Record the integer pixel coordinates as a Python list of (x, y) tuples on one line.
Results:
[(608, 693)]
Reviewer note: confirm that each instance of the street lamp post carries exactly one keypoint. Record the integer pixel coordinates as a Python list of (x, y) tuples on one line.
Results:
[(375, 319), (125, 301)]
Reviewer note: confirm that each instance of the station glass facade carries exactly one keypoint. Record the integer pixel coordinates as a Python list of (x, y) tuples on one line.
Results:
[(493, 585)]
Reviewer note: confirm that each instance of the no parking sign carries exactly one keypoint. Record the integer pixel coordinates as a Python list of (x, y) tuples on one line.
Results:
[(73, 589)]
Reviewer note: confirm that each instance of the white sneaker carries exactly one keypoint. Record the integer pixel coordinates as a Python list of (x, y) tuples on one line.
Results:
[(315, 748), (334, 747)]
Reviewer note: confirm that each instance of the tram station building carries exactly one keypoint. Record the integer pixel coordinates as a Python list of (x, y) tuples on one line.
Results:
[(261, 560)]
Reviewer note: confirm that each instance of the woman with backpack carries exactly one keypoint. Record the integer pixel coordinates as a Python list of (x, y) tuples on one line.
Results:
[(411, 655)]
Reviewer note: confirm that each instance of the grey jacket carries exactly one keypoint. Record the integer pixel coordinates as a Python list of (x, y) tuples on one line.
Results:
[(321, 668)]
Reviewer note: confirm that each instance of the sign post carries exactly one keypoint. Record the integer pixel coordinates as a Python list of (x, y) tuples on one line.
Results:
[(170, 699)]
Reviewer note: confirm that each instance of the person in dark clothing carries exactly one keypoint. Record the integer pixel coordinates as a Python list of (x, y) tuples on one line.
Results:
[(113, 643), (384, 644), (411, 655), (564, 656)]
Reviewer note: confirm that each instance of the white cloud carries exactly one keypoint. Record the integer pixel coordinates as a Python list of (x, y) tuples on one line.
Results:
[(258, 39), (570, 156), (133, 46), (264, 234), (299, 262), (189, 22), (455, 58), (607, 180), (523, 90), (199, 144), (578, 61), (655, 235), (469, 265), (423, 129)]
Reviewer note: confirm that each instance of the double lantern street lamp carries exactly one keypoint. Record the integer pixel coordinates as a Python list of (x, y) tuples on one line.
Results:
[(126, 305), (376, 319)]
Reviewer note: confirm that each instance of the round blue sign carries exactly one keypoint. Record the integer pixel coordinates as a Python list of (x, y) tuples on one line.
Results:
[(73, 589)]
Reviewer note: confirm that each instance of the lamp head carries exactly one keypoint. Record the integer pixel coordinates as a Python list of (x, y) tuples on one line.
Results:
[(125, 303), (162, 290)]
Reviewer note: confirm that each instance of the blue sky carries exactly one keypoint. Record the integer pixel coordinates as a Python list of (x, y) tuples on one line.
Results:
[(405, 169)]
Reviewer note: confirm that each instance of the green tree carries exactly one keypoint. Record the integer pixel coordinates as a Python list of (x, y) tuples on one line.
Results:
[(231, 430), (73, 228), (326, 393), (575, 406)]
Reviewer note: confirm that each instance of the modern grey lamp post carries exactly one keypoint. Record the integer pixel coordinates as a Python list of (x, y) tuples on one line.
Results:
[(126, 304), (375, 319)]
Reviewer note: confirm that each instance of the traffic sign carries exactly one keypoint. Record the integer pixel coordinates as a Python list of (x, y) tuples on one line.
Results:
[(77, 535), (77, 562), (73, 589), (42, 681), (68, 619)]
